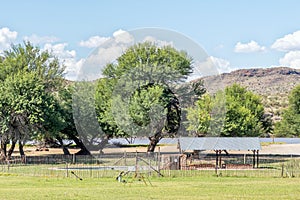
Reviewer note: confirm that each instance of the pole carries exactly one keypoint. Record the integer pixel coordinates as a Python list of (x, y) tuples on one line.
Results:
[(220, 159), (253, 164), (149, 166), (217, 159), (74, 158), (125, 161), (257, 158), (136, 163), (67, 170), (158, 161)]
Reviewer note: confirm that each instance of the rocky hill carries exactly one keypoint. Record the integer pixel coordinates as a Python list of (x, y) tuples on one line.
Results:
[(273, 84)]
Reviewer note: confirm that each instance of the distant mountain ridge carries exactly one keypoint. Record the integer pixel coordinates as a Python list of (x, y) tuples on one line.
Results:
[(273, 84)]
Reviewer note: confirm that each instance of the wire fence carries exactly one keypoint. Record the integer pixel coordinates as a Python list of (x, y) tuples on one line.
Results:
[(152, 164)]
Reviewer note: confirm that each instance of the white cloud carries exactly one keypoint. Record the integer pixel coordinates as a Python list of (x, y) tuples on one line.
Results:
[(222, 65), (66, 57), (35, 39), (210, 66), (291, 59), (93, 65), (114, 47), (73, 68), (250, 47), (93, 41), (290, 42), (90, 68), (121, 36), (59, 50), (159, 43), (6, 38)]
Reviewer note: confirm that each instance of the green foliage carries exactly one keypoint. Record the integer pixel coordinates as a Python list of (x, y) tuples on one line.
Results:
[(244, 114), (206, 117), (290, 124), (137, 87), (103, 99), (142, 104), (164, 61), (28, 58), (68, 108), (29, 79), (199, 116), (155, 109)]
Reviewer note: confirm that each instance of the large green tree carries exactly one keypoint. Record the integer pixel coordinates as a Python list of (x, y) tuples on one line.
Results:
[(289, 126), (67, 108), (29, 77), (138, 91), (199, 116), (244, 114)]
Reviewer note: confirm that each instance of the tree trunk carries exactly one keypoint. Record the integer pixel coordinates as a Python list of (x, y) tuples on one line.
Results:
[(153, 142), (79, 143), (102, 144), (3, 152), (11, 149), (4, 148), (4, 144), (64, 148), (21, 150)]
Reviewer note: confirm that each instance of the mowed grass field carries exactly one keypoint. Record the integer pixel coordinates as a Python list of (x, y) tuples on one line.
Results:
[(26, 187)]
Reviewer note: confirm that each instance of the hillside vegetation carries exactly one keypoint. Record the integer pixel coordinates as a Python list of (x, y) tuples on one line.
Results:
[(273, 84)]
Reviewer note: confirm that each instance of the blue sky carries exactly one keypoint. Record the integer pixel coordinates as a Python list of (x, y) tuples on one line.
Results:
[(236, 34)]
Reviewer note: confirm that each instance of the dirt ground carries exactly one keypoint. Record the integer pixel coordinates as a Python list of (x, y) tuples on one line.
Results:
[(282, 149)]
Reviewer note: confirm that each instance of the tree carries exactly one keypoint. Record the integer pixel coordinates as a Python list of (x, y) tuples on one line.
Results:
[(140, 82), (85, 116), (28, 77), (206, 117), (155, 109), (28, 58), (68, 129), (103, 98), (199, 116), (289, 126), (244, 113)]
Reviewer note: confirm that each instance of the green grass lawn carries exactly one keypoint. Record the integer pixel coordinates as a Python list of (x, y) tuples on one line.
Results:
[(26, 187)]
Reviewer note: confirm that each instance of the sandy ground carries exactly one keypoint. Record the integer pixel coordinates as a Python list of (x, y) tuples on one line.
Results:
[(283, 149), (31, 151)]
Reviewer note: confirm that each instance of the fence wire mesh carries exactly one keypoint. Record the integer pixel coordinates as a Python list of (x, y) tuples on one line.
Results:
[(152, 164)]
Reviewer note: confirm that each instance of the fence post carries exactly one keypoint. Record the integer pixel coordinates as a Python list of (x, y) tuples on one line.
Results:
[(253, 162), (293, 164), (282, 168), (125, 161), (8, 165), (257, 158), (149, 165), (136, 162), (74, 158), (217, 159), (67, 170), (158, 161)]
